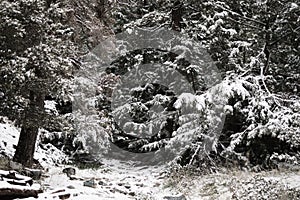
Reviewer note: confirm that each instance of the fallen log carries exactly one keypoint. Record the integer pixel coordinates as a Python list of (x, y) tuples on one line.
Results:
[(13, 175), (15, 179), (22, 183), (12, 193), (13, 185)]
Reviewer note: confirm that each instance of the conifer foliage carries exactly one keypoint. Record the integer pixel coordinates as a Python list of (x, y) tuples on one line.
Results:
[(35, 52), (256, 100)]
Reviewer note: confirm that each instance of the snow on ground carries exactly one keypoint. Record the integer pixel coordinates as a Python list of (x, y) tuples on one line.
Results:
[(9, 136), (35, 186), (123, 180), (5, 184), (113, 180), (237, 184), (118, 180)]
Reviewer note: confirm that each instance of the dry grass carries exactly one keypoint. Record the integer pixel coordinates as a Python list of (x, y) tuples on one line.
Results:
[(235, 184)]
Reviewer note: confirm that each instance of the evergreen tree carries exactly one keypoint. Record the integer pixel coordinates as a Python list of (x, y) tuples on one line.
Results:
[(35, 52)]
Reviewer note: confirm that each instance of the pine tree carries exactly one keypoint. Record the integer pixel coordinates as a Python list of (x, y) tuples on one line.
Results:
[(35, 48)]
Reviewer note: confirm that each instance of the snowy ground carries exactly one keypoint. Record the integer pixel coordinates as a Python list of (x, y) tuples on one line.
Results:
[(116, 180), (123, 180), (235, 184), (113, 180)]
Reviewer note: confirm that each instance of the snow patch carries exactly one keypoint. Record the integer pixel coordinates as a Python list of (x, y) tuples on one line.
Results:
[(9, 136)]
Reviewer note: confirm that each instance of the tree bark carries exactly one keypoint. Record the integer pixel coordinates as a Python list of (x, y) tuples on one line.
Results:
[(176, 13), (12, 193), (29, 131)]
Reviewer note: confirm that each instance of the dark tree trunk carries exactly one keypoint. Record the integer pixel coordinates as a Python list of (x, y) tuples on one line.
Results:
[(145, 2), (26, 146), (100, 9), (29, 131), (177, 12)]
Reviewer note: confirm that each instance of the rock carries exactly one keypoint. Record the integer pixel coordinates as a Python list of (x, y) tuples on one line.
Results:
[(119, 191), (90, 183), (64, 196), (175, 197), (72, 178), (101, 183), (156, 185), (131, 193), (15, 166), (86, 160), (112, 191), (70, 171), (70, 187), (127, 186), (140, 184), (4, 161), (33, 173)]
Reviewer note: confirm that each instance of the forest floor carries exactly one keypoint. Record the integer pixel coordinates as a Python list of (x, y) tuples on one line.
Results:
[(123, 180), (117, 180)]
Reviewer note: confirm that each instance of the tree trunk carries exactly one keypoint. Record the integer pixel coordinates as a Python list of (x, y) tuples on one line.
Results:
[(29, 131), (176, 13), (100, 9)]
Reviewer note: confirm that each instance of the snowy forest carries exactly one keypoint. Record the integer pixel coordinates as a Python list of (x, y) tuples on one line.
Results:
[(150, 99)]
